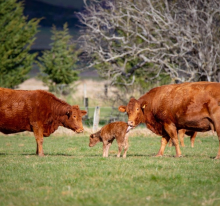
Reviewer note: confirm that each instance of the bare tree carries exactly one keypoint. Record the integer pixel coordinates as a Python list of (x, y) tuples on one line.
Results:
[(180, 39)]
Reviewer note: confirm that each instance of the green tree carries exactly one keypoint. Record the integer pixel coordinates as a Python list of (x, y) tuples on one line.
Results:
[(57, 65), (17, 34)]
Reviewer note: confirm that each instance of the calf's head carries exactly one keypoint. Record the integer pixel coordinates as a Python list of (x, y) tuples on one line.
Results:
[(73, 119), (134, 112), (94, 139)]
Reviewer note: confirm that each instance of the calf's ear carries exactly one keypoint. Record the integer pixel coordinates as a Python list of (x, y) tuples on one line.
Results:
[(122, 108), (83, 112)]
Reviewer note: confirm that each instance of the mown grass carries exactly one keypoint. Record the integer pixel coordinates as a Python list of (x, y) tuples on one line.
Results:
[(71, 173)]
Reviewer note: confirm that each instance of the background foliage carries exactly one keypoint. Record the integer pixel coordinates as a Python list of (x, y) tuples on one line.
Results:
[(179, 39), (17, 34), (56, 65)]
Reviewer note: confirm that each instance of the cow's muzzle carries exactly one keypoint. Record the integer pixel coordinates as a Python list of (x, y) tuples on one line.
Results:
[(130, 123), (79, 130)]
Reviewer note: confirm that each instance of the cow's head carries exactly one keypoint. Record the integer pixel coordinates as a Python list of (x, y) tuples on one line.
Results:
[(73, 119), (134, 111), (94, 139)]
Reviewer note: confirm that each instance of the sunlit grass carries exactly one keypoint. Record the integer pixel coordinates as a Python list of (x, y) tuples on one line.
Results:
[(71, 173)]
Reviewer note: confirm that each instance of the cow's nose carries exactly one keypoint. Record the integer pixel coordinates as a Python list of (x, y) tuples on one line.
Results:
[(130, 123), (79, 131)]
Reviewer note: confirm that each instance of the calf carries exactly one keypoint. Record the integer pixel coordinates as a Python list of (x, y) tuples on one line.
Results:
[(115, 130)]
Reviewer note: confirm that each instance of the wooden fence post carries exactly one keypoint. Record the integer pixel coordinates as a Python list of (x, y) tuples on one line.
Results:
[(96, 119), (86, 102)]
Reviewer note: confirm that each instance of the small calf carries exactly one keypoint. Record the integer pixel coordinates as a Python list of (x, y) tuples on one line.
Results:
[(115, 130)]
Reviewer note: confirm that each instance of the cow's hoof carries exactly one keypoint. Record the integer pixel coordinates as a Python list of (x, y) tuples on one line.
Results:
[(40, 155), (158, 155), (217, 157), (178, 156)]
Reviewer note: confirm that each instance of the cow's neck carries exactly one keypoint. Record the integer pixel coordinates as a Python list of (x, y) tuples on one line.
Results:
[(148, 116), (52, 127)]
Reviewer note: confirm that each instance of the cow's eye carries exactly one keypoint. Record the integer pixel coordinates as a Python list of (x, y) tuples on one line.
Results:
[(137, 109), (74, 116)]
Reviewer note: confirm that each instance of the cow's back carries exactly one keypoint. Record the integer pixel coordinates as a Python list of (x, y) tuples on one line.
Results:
[(19, 109), (15, 109)]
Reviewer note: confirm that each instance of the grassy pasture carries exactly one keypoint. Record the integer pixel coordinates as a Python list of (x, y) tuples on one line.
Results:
[(71, 173)]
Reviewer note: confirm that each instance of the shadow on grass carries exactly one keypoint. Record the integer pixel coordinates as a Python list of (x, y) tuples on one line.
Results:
[(97, 155), (128, 155), (34, 154)]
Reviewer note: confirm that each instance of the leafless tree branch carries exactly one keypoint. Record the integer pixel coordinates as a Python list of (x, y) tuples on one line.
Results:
[(181, 39)]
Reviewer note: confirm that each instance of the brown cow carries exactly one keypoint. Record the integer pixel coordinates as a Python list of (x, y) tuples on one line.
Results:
[(166, 109), (181, 134), (114, 130), (37, 111)]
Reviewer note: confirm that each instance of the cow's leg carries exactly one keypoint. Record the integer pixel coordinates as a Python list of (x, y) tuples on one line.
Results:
[(181, 134), (38, 133), (170, 143), (172, 132), (39, 141), (217, 128), (164, 141), (125, 145), (192, 138), (218, 133), (218, 155), (215, 124)]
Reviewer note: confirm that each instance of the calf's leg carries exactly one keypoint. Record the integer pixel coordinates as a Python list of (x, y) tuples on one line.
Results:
[(107, 149), (106, 146), (120, 146), (125, 145)]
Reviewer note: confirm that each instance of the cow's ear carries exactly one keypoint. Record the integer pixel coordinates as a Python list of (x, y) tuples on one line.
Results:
[(83, 112), (69, 113), (122, 108), (143, 105)]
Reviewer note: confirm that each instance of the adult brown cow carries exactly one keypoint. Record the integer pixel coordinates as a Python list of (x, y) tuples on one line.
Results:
[(166, 109), (37, 111)]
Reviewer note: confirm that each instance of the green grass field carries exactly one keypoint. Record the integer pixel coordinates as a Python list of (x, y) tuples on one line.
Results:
[(71, 173)]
